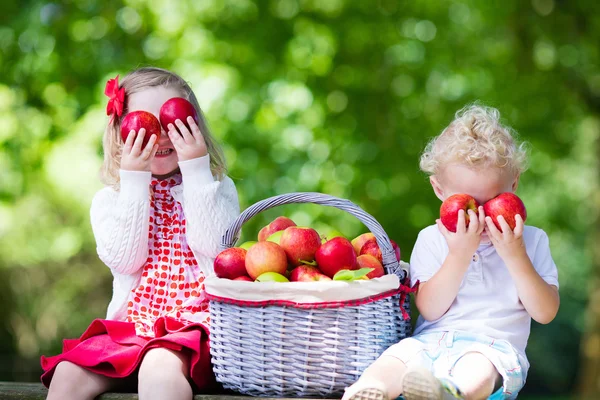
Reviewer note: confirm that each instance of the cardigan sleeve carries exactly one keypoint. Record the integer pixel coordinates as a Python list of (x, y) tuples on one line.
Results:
[(210, 206), (120, 222)]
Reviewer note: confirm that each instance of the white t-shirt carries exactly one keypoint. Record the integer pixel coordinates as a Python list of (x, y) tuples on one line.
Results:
[(487, 302)]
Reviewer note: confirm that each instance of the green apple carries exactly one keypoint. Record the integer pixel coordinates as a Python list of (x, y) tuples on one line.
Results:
[(271, 277), (247, 245), (276, 237), (331, 234)]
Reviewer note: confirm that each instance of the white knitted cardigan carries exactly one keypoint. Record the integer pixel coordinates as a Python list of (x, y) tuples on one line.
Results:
[(120, 222)]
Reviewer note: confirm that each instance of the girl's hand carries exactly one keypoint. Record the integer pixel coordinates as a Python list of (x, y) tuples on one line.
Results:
[(508, 243), (465, 241), (133, 157), (188, 144)]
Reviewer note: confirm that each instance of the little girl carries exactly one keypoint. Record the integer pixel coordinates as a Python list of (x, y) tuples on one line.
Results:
[(480, 287), (157, 225)]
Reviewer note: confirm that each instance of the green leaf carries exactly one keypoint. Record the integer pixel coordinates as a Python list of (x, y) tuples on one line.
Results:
[(351, 275)]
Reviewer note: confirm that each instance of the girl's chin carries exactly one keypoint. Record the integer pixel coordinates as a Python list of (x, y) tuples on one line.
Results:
[(160, 175)]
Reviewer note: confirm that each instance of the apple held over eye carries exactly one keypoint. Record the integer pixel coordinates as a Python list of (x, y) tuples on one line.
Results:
[(508, 205), (265, 257), (371, 247), (306, 273), (231, 263), (136, 120), (278, 224), (334, 255), (174, 109), (452, 205), (300, 244)]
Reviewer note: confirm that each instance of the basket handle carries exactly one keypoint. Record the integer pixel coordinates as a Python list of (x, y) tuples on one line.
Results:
[(391, 265)]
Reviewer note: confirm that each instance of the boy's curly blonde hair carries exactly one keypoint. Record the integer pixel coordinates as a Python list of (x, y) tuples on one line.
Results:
[(136, 81), (475, 138)]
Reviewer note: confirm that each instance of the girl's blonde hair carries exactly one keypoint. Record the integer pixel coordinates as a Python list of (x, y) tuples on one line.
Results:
[(477, 139), (137, 81)]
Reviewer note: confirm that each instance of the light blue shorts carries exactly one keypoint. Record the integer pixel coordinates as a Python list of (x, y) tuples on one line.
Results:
[(439, 352)]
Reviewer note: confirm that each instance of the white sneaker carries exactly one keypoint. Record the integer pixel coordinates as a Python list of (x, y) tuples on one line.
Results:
[(371, 393), (420, 384)]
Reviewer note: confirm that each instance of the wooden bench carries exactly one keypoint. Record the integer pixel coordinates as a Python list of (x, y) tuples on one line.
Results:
[(36, 391)]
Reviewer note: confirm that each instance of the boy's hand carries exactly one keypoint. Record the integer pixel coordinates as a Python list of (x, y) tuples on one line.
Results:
[(508, 243), (466, 239), (133, 157), (188, 144)]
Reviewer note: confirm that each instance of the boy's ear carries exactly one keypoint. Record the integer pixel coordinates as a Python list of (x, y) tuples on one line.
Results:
[(437, 188), (515, 183)]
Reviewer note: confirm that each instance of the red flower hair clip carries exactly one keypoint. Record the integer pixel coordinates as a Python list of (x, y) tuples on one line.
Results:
[(116, 97)]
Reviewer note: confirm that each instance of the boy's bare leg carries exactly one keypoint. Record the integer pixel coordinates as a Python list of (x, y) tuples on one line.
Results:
[(384, 375), (476, 376)]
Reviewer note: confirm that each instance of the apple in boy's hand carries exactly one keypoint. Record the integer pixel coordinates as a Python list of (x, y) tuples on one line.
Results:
[(368, 261), (136, 120), (371, 247), (278, 224), (265, 257), (508, 205), (451, 206), (334, 255), (174, 109), (231, 263), (300, 244), (360, 240), (306, 273)]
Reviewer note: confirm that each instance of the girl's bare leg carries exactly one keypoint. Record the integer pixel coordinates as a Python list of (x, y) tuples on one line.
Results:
[(164, 375), (72, 382)]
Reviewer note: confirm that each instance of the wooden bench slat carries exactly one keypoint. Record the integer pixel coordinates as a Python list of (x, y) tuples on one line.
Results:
[(36, 391)]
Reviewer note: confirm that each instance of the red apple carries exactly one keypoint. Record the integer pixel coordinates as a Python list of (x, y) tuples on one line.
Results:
[(136, 120), (174, 109), (360, 240), (368, 261), (243, 278), (265, 257), (452, 205), (334, 255), (508, 205), (306, 273), (231, 263), (300, 244), (278, 224), (371, 247)]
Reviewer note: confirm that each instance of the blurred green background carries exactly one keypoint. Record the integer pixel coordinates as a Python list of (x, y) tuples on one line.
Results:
[(335, 96)]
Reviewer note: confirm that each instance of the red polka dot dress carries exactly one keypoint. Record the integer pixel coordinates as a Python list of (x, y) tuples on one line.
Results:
[(171, 281), (163, 307)]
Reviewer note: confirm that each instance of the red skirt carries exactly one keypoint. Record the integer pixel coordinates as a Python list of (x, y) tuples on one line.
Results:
[(112, 349)]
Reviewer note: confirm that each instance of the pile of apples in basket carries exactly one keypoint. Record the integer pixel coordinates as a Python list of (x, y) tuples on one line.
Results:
[(286, 252)]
